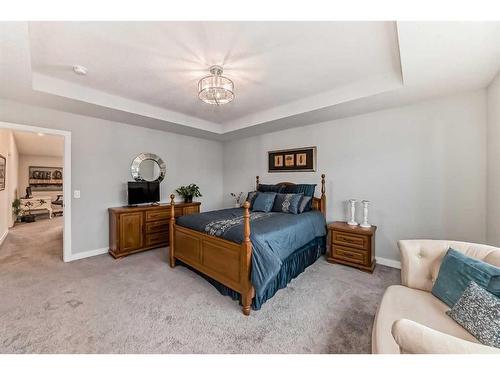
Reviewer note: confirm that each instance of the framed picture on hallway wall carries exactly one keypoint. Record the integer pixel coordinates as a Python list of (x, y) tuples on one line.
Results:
[(3, 167), (45, 178), (292, 160)]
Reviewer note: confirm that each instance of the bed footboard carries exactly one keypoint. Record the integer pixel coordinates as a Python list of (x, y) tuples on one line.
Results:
[(224, 261)]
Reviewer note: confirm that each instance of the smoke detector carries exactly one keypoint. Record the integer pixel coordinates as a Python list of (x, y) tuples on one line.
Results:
[(80, 70)]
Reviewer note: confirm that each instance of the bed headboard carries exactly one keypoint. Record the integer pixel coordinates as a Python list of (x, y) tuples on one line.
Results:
[(317, 204)]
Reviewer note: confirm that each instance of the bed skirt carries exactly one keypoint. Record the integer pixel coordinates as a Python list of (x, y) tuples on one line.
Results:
[(292, 266)]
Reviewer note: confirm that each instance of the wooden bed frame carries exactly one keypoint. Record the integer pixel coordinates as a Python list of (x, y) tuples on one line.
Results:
[(224, 261)]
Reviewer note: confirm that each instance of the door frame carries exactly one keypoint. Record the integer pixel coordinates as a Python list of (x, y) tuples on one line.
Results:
[(66, 255)]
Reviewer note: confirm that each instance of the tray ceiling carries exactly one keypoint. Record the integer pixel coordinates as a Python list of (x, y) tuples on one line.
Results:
[(146, 73)]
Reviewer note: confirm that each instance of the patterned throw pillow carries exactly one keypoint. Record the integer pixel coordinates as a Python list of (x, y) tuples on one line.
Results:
[(304, 202), (478, 311), (287, 203), (270, 188), (306, 189), (263, 202)]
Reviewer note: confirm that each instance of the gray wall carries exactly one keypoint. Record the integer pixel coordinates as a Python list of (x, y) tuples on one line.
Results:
[(101, 155), (422, 166), (493, 203)]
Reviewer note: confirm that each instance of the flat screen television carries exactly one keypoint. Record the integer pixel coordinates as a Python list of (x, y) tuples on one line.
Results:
[(143, 192)]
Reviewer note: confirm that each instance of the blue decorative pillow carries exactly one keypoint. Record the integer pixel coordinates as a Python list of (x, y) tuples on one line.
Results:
[(287, 203), (458, 270), (478, 311), (250, 198), (305, 202), (270, 188), (263, 202), (306, 189)]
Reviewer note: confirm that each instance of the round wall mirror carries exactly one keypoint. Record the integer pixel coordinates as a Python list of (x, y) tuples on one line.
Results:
[(148, 167)]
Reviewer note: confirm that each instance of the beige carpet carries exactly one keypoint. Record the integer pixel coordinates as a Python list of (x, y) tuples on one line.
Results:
[(140, 305)]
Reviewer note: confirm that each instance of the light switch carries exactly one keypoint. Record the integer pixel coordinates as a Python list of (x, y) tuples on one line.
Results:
[(76, 194)]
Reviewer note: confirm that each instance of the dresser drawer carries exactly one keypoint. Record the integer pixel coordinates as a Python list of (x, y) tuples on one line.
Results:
[(161, 214), (157, 226), (349, 254), (350, 240), (157, 238)]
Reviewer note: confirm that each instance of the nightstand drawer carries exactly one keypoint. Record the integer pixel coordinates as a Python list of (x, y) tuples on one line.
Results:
[(349, 239), (351, 255)]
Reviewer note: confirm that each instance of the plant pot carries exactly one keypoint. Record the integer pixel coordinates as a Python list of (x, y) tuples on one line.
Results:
[(29, 218), (188, 199)]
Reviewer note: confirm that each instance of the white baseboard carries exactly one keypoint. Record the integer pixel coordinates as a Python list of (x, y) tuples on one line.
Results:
[(388, 262), (4, 236), (87, 254)]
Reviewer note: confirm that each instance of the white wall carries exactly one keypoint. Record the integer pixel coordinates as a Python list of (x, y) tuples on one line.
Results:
[(101, 155), (12, 176), (26, 161), (8, 150), (493, 186), (422, 166)]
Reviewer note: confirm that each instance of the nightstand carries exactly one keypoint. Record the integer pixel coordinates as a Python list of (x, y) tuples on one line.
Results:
[(352, 245)]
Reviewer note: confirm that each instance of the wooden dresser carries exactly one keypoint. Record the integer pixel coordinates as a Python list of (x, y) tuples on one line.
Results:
[(352, 245), (134, 229)]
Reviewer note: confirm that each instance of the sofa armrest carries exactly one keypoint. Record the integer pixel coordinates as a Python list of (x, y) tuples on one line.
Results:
[(420, 261), (415, 338)]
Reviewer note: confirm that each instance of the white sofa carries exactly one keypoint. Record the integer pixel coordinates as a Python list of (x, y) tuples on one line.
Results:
[(410, 319)]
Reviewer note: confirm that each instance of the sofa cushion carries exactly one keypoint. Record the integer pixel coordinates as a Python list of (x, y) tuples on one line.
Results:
[(458, 270), (422, 307), (478, 311)]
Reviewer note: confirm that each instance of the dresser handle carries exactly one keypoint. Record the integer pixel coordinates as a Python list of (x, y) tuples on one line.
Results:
[(342, 238)]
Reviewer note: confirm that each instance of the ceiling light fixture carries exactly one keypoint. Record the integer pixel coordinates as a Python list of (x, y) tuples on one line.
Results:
[(215, 88), (80, 70)]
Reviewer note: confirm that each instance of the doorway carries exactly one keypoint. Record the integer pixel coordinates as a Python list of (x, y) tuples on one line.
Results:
[(42, 157)]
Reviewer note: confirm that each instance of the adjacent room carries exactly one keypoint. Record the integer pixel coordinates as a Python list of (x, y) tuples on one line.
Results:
[(32, 177), (253, 187)]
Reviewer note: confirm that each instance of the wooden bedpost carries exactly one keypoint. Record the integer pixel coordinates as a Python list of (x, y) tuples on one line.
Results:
[(257, 183), (246, 259), (323, 196), (171, 256)]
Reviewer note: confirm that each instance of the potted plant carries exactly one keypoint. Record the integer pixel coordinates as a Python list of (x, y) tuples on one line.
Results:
[(16, 209), (189, 192)]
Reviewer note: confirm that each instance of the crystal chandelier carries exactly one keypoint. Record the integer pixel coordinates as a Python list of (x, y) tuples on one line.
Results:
[(215, 88)]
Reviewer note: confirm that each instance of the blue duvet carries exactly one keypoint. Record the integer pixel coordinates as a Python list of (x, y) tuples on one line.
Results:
[(274, 236)]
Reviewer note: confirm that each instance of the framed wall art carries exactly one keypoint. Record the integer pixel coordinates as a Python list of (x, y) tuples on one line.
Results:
[(3, 167), (292, 160), (45, 178)]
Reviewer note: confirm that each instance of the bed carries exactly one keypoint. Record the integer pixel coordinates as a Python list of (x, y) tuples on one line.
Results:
[(249, 255)]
